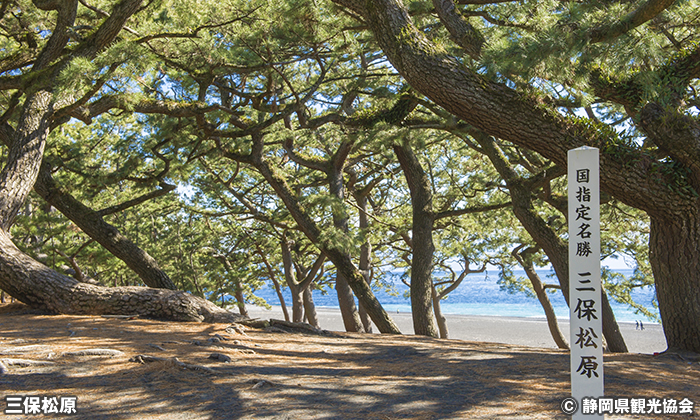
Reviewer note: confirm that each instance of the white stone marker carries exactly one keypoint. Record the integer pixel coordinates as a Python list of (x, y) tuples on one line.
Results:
[(584, 282)]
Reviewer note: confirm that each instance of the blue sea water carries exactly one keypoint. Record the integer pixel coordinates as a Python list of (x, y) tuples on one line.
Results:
[(480, 294)]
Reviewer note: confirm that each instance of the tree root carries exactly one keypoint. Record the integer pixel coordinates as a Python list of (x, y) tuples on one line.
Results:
[(277, 325), (24, 349), (24, 362), (94, 352), (261, 383), (220, 357), (143, 358)]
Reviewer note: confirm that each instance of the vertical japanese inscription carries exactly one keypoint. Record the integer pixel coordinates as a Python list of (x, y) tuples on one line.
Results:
[(584, 277)]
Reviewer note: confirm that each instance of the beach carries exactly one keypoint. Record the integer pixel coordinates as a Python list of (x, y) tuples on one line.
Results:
[(135, 368), (530, 332)]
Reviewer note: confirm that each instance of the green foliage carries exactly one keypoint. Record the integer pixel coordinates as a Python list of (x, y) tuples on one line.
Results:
[(395, 115), (271, 68)]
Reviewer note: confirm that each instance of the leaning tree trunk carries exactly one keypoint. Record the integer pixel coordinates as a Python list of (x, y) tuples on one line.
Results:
[(557, 252), (546, 238), (526, 263), (37, 285), (674, 244), (552, 323), (346, 300), (310, 314), (422, 239), (92, 223), (365, 257), (28, 280), (439, 317), (41, 287), (237, 286), (294, 287), (340, 260), (240, 298), (275, 283)]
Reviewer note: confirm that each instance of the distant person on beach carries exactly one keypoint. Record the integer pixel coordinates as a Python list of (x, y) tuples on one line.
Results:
[(637, 325), (641, 325)]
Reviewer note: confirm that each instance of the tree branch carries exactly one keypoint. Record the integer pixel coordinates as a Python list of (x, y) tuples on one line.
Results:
[(461, 277), (67, 12), (644, 13), (506, 113), (164, 189), (471, 210), (461, 31)]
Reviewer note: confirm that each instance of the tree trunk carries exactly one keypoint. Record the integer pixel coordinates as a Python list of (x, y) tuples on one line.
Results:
[(342, 261), (38, 286), (557, 252), (105, 234), (365, 257), (346, 300), (541, 293), (28, 280), (552, 323), (280, 296), (294, 287), (237, 287), (240, 299), (674, 245), (297, 303), (24, 156), (422, 239), (364, 317), (525, 120), (439, 317), (546, 238), (310, 308), (275, 283), (611, 330)]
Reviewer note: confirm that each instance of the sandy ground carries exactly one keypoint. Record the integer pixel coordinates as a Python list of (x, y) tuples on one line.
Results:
[(136, 369), (531, 332)]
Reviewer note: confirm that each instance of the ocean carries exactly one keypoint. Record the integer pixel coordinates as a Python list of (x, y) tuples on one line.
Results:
[(480, 294)]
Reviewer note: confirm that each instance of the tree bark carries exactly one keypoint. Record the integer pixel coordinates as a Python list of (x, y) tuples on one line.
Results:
[(365, 254), (138, 260), (439, 317), (346, 300), (294, 286), (632, 177), (25, 155), (674, 244), (422, 239), (541, 293), (340, 260), (297, 303), (557, 251), (240, 299), (310, 308), (38, 286)]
